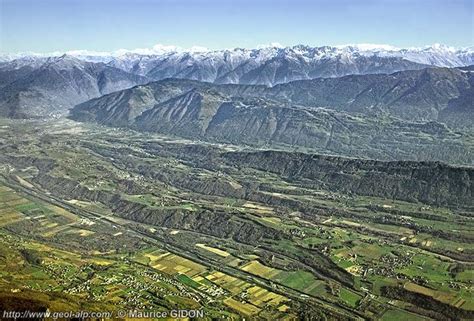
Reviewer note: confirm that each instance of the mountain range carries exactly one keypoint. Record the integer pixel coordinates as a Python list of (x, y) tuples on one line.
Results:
[(50, 87), (274, 65), (361, 101), (269, 65), (431, 94), (380, 116), (38, 85)]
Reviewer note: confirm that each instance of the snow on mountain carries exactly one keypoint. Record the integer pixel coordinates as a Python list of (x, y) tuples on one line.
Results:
[(435, 55), (171, 57), (267, 65)]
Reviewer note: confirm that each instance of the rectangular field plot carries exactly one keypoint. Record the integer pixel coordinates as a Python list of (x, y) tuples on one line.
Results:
[(370, 251), (62, 212), (213, 250), (149, 256), (19, 202), (396, 315), (445, 297), (26, 206), (10, 216), (53, 229), (255, 295), (8, 196), (299, 280), (349, 297), (242, 307), (302, 281), (173, 264), (261, 297), (230, 283), (257, 268), (80, 232), (4, 189)]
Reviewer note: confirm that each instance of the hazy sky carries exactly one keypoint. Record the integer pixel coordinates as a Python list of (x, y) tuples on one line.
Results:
[(106, 25)]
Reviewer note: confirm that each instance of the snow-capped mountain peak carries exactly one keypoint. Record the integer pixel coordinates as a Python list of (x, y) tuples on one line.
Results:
[(270, 64)]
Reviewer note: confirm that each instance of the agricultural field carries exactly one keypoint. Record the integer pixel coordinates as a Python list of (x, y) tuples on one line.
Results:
[(115, 218)]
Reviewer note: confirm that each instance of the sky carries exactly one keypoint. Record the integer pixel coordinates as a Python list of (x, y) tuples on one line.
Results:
[(109, 25)]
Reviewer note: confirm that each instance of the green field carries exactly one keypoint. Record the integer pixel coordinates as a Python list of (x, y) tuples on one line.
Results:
[(349, 297), (397, 315)]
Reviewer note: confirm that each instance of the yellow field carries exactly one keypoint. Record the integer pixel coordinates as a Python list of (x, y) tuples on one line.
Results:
[(4, 189), (459, 302), (17, 201), (55, 230), (230, 283), (10, 216), (23, 182), (149, 256), (354, 270), (259, 269), (271, 219), (198, 278), (438, 295), (256, 295), (155, 255), (7, 196), (283, 308), (261, 297), (243, 308), (258, 208), (234, 263), (100, 261), (172, 264), (67, 256), (350, 223), (47, 224), (213, 250), (63, 212), (427, 243), (81, 232)]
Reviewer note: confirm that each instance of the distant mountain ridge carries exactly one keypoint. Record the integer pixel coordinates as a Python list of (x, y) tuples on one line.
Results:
[(42, 86), (418, 95), (55, 85), (275, 65), (378, 116)]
